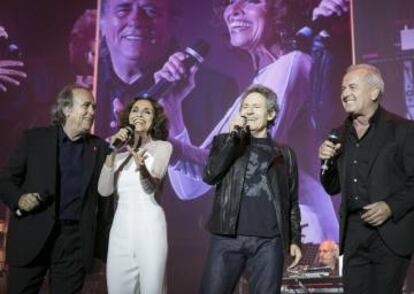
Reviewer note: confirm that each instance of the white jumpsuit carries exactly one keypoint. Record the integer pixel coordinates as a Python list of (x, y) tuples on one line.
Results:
[(138, 247)]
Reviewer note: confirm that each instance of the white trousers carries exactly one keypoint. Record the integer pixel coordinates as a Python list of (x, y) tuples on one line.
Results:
[(137, 251)]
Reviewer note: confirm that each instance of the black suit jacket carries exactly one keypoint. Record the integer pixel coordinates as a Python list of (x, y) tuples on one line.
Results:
[(33, 167), (391, 179)]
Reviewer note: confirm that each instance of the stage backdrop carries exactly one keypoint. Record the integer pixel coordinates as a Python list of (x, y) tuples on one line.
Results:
[(56, 42), (50, 38), (136, 38)]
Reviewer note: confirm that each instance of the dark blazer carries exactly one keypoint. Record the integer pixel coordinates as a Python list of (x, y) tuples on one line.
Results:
[(226, 167), (391, 179), (33, 167)]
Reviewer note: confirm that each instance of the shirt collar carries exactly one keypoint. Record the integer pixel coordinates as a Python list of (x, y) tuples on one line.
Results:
[(63, 137), (262, 141), (373, 120)]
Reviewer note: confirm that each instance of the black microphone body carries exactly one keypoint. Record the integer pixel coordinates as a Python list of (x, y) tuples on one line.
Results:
[(242, 134), (305, 36), (326, 163), (321, 23), (195, 55), (236, 132), (118, 143), (240, 131), (9, 50)]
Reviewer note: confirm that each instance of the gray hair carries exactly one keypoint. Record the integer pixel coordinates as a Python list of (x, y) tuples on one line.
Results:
[(372, 75), (270, 96), (64, 99)]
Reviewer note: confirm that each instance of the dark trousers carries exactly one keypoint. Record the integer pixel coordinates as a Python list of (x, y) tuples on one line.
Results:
[(228, 257), (370, 267), (61, 256)]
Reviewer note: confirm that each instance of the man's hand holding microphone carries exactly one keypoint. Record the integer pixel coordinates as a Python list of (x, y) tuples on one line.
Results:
[(239, 127), (329, 149), (29, 202)]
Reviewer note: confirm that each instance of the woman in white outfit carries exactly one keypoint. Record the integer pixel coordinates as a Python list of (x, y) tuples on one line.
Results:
[(137, 251)]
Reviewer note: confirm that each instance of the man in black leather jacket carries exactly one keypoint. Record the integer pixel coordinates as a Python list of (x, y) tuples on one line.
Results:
[(255, 213)]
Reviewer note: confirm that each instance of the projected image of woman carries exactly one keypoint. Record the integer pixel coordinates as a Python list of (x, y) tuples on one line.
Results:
[(256, 28)]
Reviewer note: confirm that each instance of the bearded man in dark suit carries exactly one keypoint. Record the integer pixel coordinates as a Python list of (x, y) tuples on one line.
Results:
[(58, 220)]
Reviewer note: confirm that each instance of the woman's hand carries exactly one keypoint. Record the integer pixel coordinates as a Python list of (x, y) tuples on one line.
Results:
[(175, 71), (11, 72), (123, 136), (327, 8), (9, 75), (3, 32), (138, 156)]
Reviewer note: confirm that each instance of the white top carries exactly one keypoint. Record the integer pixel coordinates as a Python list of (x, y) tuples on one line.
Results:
[(157, 154)]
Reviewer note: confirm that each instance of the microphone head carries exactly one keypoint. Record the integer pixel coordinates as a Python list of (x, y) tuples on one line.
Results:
[(333, 137), (9, 50), (130, 128), (202, 47), (199, 50), (45, 196)]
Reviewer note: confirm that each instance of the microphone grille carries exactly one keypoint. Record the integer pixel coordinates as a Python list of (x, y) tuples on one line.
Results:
[(333, 137), (130, 128), (202, 47)]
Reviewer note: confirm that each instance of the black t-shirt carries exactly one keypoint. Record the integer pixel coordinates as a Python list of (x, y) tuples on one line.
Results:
[(257, 215)]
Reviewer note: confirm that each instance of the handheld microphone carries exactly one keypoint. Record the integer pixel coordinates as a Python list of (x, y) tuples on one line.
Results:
[(240, 131), (9, 50), (42, 198), (195, 55), (326, 163), (117, 143), (320, 23), (305, 35)]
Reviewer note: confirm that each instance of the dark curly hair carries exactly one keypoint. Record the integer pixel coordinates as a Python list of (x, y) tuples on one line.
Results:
[(159, 127)]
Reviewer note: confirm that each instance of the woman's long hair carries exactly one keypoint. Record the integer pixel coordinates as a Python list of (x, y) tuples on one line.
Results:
[(159, 126)]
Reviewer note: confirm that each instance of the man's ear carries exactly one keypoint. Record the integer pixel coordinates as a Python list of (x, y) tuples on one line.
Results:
[(271, 115), (375, 94), (67, 110)]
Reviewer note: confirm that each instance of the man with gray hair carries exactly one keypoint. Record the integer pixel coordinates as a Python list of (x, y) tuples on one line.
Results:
[(373, 167), (50, 186), (328, 253), (256, 213), (138, 37)]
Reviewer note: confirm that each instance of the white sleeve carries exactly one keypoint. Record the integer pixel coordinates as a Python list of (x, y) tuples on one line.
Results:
[(157, 158), (292, 89), (106, 181), (186, 169)]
